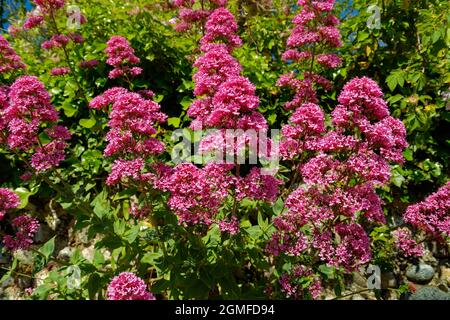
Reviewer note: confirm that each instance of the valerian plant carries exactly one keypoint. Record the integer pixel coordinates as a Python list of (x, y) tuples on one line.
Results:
[(91, 137)]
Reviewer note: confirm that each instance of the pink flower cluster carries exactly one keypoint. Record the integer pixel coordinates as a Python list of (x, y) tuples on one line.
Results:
[(433, 214), (225, 100), (315, 28), (340, 171), (28, 108), (121, 57), (9, 60), (33, 21), (48, 6), (132, 120), (26, 227), (293, 289), (405, 242), (193, 12), (60, 71), (196, 195), (8, 200), (127, 286), (89, 64)]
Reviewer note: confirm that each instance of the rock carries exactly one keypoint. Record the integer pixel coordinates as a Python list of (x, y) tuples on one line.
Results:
[(421, 273), (445, 275), (43, 235), (388, 280), (88, 253), (4, 258), (79, 236), (443, 287), (358, 297), (429, 293), (440, 251), (24, 257), (40, 277), (359, 280), (24, 282), (12, 293), (65, 253)]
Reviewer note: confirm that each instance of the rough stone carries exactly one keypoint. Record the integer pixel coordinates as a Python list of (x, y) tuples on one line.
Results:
[(388, 280), (429, 293), (88, 253), (445, 275), (421, 273), (359, 280), (43, 235), (40, 277), (65, 253)]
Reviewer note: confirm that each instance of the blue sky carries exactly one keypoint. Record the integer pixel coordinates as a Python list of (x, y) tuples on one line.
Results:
[(28, 5)]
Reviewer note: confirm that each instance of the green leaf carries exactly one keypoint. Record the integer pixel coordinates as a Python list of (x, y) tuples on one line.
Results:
[(48, 248), (119, 227), (158, 98), (131, 234), (151, 257), (391, 82), (24, 194), (101, 204), (88, 123), (278, 206), (69, 111), (327, 271), (408, 154), (175, 122)]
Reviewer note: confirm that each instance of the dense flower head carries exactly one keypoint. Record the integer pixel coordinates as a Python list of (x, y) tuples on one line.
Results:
[(306, 124), (88, 64), (405, 242), (59, 71), (258, 186), (292, 288), (363, 97), (127, 286), (132, 121), (29, 104), (125, 169), (352, 251), (433, 214), (214, 67), (234, 98), (4, 102), (30, 107), (9, 60), (231, 227), (26, 227), (221, 26), (121, 56), (196, 194), (48, 6), (33, 21), (8, 200), (189, 15)]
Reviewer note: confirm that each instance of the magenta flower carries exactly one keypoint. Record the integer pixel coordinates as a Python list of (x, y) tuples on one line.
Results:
[(9, 60), (60, 71), (121, 57), (404, 241), (26, 228), (127, 286), (433, 214), (8, 200)]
